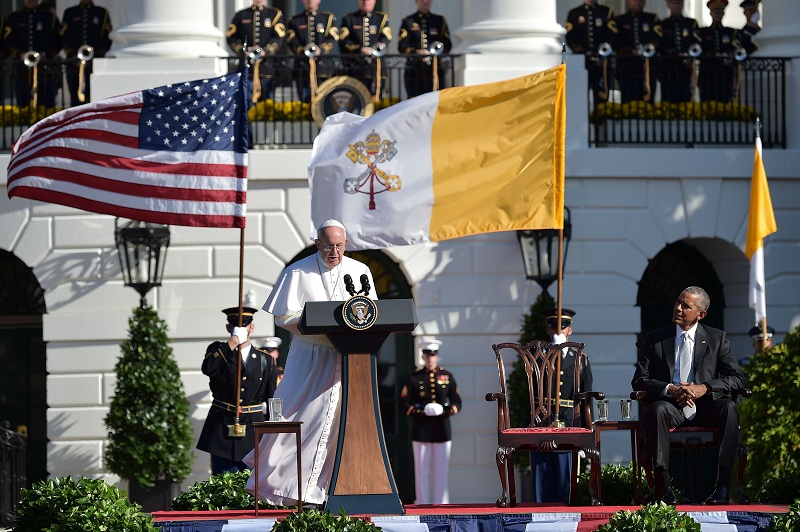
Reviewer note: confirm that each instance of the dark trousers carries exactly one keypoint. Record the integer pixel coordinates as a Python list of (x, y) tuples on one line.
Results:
[(418, 77), (551, 476), (74, 80), (675, 75), (23, 87), (717, 78), (221, 465), (633, 79), (663, 414)]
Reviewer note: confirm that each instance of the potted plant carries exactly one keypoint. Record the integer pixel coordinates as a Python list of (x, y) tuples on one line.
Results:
[(150, 438)]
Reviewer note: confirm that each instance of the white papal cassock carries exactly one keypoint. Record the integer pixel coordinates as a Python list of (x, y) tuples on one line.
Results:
[(311, 385)]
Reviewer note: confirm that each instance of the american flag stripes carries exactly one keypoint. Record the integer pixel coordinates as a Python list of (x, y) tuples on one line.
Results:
[(174, 155)]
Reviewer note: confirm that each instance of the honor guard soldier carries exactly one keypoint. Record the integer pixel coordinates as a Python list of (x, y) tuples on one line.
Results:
[(312, 35), (367, 33), (430, 397), (257, 384), (271, 345), (679, 35), (718, 69), (748, 33), (551, 471), (760, 342), (423, 37), (591, 31), (261, 29), (635, 45), (31, 34), (85, 35)]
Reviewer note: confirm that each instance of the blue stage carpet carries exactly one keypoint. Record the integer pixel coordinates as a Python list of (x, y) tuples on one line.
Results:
[(480, 518)]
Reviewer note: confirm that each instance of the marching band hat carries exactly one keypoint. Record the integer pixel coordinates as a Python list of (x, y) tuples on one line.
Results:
[(717, 5), (755, 332), (272, 342), (431, 346), (749, 4), (566, 317), (233, 315)]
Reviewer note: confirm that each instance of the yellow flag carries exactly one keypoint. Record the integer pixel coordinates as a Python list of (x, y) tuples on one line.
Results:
[(446, 164)]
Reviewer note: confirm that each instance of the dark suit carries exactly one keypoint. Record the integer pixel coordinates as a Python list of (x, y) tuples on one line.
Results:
[(418, 32), (714, 366), (587, 28), (718, 70), (317, 28), (363, 30), (551, 471), (262, 27), (676, 70), (84, 24), (634, 73)]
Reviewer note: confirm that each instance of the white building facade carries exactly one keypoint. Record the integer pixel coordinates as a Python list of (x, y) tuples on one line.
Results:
[(628, 205)]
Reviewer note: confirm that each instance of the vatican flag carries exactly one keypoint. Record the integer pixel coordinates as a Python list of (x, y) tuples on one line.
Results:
[(760, 223), (451, 163)]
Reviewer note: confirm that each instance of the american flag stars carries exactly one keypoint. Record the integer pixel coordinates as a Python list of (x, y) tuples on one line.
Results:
[(193, 116)]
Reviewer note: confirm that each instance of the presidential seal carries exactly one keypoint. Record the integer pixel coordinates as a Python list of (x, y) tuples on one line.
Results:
[(359, 313), (341, 94)]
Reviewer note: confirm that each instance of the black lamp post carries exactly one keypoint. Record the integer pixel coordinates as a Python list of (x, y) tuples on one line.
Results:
[(142, 250), (540, 252)]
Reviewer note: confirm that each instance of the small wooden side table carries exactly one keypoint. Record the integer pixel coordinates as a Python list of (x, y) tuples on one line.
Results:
[(633, 427), (280, 427)]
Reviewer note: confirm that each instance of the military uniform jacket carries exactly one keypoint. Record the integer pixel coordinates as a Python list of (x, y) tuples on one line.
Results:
[(420, 30), (32, 29), (86, 24), (677, 35), (312, 27), (423, 387), (360, 30), (588, 27), (746, 35), (719, 40), (635, 29), (258, 27), (568, 384), (258, 384)]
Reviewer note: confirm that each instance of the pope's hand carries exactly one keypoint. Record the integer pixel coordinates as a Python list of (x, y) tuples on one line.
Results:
[(240, 333)]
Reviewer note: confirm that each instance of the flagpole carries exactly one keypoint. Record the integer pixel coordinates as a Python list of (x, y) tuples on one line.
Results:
[(557, 421), (763, 319), (237, 430)]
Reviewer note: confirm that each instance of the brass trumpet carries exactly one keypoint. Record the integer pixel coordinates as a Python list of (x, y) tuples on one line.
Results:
[(647, 50), (254, 54), (379, 50), (311, 50), (695, 50), (436, 48), (31, 58), (740, 54), (604, 50), (85, 53)]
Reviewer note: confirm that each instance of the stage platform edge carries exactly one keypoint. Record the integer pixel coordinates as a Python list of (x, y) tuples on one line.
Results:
[(480, 518)]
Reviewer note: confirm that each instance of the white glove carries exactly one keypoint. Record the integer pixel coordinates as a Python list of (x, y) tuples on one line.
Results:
[(240, 333), (433, 409), (559, 339)]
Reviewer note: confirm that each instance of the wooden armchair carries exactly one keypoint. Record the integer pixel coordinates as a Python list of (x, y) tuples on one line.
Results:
[(542, 362), (690, 438)]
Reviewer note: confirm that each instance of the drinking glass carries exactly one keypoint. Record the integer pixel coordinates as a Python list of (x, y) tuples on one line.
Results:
[(625, 409), (602, 410), (275, 409)]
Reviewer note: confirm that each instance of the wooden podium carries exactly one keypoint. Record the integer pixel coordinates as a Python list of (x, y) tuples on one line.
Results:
[(362, 481)]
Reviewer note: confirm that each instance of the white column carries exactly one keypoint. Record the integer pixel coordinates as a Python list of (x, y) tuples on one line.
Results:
[(156, 42), (779, 36), (155, 28), (508, 38)]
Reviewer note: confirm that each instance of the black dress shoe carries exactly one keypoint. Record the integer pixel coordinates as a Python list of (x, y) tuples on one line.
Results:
[(669, 497), (720, 496)]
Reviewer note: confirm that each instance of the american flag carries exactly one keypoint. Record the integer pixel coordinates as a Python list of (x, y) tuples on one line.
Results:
[(175, 155)]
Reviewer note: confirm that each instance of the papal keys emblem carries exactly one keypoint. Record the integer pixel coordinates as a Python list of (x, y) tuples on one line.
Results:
[(370, 153)]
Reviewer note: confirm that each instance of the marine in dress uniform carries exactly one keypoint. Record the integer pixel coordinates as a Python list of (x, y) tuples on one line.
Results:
[(261, 28), (751, 29), (676, 67), (418, 32), (551, 471), (312, 27), (719, 71), (589, 26), (33, 28), (635, 73), (270, 346), (84, 24), (258, 383), (430, 397), (359, 34)]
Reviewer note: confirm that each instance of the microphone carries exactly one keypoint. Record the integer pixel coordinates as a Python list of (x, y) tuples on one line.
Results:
[(365, 284), (348, 284)]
